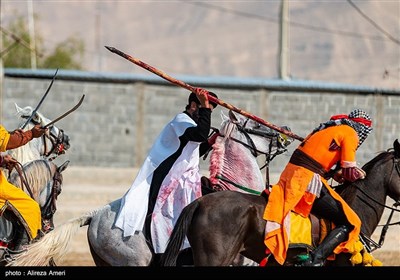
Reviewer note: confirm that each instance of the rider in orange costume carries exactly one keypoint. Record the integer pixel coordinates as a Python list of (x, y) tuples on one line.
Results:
[(26, 209), (303, 189)]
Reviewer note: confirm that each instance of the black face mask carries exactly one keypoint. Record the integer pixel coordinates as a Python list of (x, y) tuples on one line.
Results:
[(195, 115)]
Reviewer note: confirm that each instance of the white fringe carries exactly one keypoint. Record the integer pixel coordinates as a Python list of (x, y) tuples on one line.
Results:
[(54, 245)]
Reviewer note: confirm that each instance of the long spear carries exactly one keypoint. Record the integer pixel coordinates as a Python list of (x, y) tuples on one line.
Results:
[(210, 97)]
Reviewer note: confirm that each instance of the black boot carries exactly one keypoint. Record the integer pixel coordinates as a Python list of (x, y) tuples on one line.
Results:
[(331, 241), (22, 239)]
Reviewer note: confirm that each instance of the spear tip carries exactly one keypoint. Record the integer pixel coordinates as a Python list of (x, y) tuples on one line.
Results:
[(111, 49)]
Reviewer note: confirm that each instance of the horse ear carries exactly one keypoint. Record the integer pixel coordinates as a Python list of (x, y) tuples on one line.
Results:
[(233, 117), (24, 112), (19, 109), (223, 116), (396, 146), (63, 166)]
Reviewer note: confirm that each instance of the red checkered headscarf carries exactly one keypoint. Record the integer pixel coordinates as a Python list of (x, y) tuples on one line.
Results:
[(357, 119)]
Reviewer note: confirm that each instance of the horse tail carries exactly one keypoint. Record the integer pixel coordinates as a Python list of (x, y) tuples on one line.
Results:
[(178, 235), (54, 245)]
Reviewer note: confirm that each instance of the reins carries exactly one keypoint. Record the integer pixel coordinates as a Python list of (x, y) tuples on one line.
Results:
[(50, 204), (24, 182), (57, 145), (396, 167), (57, 142), (370, 244), (256, 152)]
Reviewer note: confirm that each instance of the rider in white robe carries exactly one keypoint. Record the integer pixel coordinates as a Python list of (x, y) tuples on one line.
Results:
[(169, 178)]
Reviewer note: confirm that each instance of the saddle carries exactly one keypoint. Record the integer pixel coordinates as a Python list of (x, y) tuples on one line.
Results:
[(10, 232)]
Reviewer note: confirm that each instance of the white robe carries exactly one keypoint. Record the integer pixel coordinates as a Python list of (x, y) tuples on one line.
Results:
[(181, 186)]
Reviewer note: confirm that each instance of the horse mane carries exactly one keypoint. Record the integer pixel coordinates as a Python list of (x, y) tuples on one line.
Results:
[(37, 174), (381, 157), (217, 159), (230, 161), (349, 187)]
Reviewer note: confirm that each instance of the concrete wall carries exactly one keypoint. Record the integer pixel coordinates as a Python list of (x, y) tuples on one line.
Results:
[(118, 122)]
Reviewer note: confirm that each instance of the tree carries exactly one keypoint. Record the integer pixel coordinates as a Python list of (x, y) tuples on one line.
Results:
[(17, 54), (64, 54)]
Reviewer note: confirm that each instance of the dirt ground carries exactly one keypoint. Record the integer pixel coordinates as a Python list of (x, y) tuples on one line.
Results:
[(86, 189)]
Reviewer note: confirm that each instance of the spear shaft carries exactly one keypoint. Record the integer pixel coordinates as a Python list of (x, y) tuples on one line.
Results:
[(210, 97)]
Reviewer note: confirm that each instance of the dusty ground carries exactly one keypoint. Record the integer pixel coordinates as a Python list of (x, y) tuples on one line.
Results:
[(86, 189)]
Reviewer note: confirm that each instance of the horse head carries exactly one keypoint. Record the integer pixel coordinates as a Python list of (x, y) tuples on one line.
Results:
[(258, 137), (233, 161), (53, 143)]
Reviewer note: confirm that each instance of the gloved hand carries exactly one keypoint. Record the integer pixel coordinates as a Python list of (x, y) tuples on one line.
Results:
[(338, 176), (353, 173), (38, 131), (7, 161)]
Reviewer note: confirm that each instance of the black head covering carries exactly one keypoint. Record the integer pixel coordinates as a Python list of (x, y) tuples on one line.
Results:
[(193, 97)]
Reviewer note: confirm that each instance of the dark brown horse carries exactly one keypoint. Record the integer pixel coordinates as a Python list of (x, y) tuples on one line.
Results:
[(223, 224)]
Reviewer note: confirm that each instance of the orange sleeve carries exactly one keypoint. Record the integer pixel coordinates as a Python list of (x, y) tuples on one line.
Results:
[(18, 139), (348, 146), (319, 146)]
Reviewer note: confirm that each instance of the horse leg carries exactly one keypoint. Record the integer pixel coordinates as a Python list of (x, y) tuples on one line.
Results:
[(241, 260), (96, 258), (185, 258), (216, 256), (210, 249), (52, 262), (238, 261)]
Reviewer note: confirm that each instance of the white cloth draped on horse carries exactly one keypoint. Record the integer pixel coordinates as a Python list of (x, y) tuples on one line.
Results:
[(172, 198)]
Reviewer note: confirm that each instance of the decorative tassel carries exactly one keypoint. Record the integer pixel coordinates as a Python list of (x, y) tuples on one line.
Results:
[(361, 256), (265, 260), (356, 258), (367, 258)]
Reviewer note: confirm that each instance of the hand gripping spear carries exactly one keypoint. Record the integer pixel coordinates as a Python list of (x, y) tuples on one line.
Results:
[(210, 97)]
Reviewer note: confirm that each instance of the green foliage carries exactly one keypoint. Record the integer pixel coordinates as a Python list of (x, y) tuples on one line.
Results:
[(16, 51), (64, 54)]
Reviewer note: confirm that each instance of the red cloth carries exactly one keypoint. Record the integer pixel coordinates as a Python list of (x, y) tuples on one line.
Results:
[(359, 120)]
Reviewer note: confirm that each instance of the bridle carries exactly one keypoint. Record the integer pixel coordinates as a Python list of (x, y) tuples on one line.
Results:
[(57, 144), (250, 143), (49, 207), (274, 138)]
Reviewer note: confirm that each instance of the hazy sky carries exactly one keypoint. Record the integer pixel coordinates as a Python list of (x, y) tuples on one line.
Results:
[(327, 40)]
